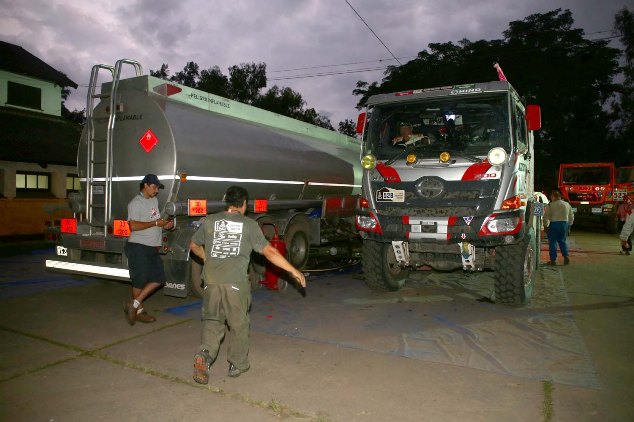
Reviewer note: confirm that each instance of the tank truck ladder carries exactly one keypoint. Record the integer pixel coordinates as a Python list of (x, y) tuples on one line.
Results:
[(99, 150)]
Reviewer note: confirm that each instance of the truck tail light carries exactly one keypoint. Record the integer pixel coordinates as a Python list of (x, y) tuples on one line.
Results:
[(68, 225)]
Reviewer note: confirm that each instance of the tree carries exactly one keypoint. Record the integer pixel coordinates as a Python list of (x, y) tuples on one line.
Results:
[(162, 73), (76, 116), (188, 76), (623, 106), (246, 80), (213, 81), (348, 127)]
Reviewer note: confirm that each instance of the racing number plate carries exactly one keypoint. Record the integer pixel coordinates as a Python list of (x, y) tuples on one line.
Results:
[(390, 195)]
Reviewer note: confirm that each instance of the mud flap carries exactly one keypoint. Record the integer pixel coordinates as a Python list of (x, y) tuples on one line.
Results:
[(467, 253), (176, 276), (401, 252)]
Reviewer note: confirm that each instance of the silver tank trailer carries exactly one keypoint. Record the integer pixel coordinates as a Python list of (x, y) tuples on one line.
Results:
[(216, 142)]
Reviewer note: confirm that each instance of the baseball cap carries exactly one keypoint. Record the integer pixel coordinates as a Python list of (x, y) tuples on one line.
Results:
[(151, 179)]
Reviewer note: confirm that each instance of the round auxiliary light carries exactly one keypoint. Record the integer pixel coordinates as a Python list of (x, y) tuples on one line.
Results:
[(411, 159), (496, 156), (368, 162), (444, 157)]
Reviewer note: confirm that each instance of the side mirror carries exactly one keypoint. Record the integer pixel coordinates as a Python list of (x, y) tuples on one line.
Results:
[(361, 123), (533, 117)]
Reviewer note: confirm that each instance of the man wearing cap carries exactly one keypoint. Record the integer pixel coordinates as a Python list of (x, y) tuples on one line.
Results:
[(142, 249)]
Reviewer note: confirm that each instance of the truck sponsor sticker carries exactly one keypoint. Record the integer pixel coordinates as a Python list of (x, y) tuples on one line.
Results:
[(390, 195)]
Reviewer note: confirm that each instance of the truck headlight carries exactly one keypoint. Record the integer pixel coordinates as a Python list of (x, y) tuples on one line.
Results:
[(496, 156), (503, 225), (368, 162), (367, 223)]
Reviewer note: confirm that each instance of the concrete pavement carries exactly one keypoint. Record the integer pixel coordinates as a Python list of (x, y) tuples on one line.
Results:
[(66, 354)]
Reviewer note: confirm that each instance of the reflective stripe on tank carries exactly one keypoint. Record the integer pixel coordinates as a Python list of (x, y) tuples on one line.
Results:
[(224, 179)]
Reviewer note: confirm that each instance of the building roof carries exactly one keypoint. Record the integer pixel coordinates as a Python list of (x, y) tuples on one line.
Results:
[(15, 59), (37, 138)]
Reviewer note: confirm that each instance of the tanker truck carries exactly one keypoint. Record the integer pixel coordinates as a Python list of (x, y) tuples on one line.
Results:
[(304, 180), (448, 185)]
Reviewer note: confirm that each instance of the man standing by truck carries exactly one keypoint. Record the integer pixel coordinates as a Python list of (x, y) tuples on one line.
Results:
[(557, 219), (229, 237), (144, 261)]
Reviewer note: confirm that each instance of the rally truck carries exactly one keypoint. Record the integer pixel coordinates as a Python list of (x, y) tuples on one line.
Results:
[(448, 185), (590, 189), (304, 180)]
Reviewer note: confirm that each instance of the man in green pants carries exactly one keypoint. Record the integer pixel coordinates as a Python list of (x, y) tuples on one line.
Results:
[(229, 237)]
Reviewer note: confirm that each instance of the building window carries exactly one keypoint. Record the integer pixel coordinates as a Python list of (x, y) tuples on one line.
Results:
[(32, 182), (24, 95), (72, 183)]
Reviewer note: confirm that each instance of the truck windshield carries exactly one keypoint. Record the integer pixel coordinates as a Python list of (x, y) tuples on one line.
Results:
[(467, 124), (586, 176)]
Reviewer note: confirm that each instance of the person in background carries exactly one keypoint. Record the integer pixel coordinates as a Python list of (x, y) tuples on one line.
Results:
[(142, 248), (626, 233), (228, 238), (625, 208), (558, 217)]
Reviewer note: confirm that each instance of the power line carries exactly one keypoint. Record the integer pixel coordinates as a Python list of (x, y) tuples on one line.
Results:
[(313, 75), (341, 64), (377, 37)]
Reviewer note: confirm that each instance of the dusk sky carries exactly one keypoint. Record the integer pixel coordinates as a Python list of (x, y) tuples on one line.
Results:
[(299, 40)]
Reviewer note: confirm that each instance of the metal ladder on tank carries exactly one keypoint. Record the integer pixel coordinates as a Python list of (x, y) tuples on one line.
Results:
[(99, 150)]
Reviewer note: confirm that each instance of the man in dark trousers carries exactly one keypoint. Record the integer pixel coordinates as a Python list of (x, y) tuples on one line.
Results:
[(558, 218), (228, 238), (144, 262)]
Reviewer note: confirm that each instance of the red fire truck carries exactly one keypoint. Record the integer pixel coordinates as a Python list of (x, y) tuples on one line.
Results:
[(590, 188)]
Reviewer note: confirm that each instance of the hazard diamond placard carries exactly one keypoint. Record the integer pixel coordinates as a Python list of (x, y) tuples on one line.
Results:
[(148, 140)]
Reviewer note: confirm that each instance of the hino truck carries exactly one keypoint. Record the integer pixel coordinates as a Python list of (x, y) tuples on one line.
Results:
[(304, 180), (448, 184)]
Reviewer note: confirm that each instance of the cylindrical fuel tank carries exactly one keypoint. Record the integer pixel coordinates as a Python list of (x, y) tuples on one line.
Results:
[(217, 143)]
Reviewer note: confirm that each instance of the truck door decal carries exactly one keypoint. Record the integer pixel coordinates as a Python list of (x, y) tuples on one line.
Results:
[(476, 171)]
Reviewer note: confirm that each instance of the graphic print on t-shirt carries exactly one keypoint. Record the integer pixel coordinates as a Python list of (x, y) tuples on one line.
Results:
[(227, 237)]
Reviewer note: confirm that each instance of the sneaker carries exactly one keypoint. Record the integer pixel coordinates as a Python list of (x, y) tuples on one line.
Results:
[(234, 372), (130, 311), (551, 263), (202, 363), (566, 260), (144, 316)]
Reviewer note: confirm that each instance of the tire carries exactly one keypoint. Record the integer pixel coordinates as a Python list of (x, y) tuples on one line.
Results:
[(196, 286), (297, 246), (380, 269), (515, 271)]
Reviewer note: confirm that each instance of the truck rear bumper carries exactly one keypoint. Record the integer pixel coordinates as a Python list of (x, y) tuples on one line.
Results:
[(91, 270)]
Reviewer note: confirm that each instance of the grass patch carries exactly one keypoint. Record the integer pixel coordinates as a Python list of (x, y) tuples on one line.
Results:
[(547, 406)]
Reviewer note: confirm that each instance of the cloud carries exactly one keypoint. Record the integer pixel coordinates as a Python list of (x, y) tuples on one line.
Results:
[(72, 36)]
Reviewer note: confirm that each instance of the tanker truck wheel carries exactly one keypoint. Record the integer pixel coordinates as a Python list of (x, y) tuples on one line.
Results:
[(296, 238), (380, 268), (196, 286), (515, 271)]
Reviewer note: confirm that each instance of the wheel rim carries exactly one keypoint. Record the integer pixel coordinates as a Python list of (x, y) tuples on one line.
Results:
[(297, 249)]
